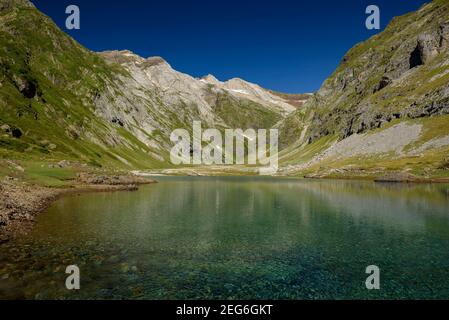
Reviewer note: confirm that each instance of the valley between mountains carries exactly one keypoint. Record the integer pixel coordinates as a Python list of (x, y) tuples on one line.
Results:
[(72, 117)]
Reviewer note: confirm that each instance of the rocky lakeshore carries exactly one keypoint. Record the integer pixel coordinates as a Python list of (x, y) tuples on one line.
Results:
[(21, 202), (392, 177)]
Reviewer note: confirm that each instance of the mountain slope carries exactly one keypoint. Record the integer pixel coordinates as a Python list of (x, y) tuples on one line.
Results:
[(59, 100), (47, 94), (174, 100), (395, 86)]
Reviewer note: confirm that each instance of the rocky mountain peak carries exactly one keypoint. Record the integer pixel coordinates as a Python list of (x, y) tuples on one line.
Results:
[(121, 56), (129, 57), (239, 84), (154, 61), (211, 79)]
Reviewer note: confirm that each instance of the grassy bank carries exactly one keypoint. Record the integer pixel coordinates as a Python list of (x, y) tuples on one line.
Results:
[(28, 188)]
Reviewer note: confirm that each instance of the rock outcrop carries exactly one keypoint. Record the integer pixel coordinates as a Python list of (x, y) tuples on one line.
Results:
[(398, 77), (380, 80)]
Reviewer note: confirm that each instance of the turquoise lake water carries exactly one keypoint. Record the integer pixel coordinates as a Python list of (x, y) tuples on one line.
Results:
[(237, 238)]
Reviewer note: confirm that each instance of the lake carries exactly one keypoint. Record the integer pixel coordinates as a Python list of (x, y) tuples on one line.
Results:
[(237, 238)]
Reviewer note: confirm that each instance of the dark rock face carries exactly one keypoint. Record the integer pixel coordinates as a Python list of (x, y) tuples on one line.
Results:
[(384, 82), (438, 107), (16, 133), (444, 36), (399, 63), (379, 80), (118, 121), (428, 47), (415, 58), (28, 89)]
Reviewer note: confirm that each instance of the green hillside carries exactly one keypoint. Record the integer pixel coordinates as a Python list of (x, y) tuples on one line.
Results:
[(48, 84), (398, 76)]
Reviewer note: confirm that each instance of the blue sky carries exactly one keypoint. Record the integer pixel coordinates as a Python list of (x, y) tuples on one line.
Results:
[(285, 45)]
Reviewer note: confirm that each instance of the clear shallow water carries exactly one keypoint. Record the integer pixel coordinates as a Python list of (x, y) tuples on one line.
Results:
[(237, 238)]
